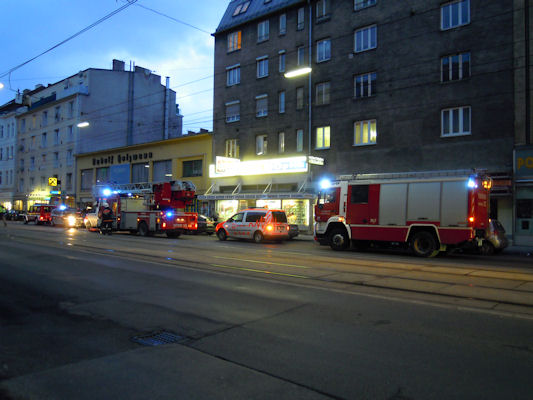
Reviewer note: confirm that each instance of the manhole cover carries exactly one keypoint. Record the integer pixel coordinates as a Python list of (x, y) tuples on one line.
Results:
[(157, 339)]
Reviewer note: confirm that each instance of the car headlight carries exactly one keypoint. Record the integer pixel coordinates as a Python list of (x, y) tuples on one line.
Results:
[(71, 220)]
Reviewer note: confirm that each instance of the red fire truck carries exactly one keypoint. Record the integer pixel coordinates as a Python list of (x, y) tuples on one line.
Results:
[(425, 211), (148, 208)]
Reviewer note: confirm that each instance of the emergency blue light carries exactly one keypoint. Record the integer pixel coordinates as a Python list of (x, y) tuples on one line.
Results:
[(325, 184), (62, 207), (472, 183), (169, 214), (106, 192)]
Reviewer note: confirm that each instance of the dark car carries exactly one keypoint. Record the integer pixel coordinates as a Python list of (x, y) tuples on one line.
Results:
[(293, 231), (14, 215), (67, 217), (205, 225)]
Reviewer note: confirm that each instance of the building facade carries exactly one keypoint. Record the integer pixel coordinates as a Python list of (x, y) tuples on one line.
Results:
[(394, 87), (8, 149), (117, 107), (183, 158)]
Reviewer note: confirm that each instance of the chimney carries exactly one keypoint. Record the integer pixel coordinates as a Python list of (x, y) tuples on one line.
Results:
[(118, 65)]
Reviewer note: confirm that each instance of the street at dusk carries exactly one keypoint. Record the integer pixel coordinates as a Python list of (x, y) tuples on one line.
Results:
[(289, 320)]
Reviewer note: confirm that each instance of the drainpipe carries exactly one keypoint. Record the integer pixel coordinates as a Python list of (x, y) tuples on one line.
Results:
[(310, 133), (166, 113), (528, 72)]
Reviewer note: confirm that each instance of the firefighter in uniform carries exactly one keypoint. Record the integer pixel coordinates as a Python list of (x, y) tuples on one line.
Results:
[(107, 219)]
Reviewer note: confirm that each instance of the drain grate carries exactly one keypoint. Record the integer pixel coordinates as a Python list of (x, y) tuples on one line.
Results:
[(157, 339)]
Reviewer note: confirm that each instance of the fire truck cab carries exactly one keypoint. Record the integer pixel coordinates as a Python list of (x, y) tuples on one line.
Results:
[(427, 212)]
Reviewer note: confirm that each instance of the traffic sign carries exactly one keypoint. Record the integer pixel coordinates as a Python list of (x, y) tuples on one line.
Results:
[(52, 181)]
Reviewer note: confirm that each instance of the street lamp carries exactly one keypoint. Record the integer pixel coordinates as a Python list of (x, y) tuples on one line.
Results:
[(298, 72), (1, 85), (83, 124)]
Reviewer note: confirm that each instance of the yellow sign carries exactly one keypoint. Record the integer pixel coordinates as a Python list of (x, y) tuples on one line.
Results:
[(52, 181)]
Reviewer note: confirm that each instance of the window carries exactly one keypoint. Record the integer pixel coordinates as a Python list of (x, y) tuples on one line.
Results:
[(139, 172), (358, 4), (43, 160), (69, 180), (234, 41), (241, 8), (70, 109), (300, 140), (57, 114), (366, 39), (44, 118), (233, 111), (23, 125), (282, 61), (232, 148), (283, 24), (56, 137), (32, 144), (262, 31), (365, 132), (192, 168), (70, 133), (455, 121), (323, 50), (262, 67), (322, 137), (86, 179), (70, 158), (43, 140), (322, 9), (301, 19), (281, 142), (56, 160), (233, 75), (102, 175), (32, 163), (261, 105), (454, 14), (281, 100), (365, 85), (322, 93), (255, 216), (455, 67), (299, 98), (301, 55), (359, 194), (261, 143)]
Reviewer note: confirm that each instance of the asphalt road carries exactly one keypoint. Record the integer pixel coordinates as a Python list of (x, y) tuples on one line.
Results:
[(284, 321)]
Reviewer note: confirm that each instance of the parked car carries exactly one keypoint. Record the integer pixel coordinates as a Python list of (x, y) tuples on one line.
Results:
[(39, 214), (205, 225), (67, 217), (14, 215), (255, 223), (496, 240), (293, 231)]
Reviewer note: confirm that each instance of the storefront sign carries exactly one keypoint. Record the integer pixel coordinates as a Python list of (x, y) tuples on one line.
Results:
[(121, 158), (225, 166), (523, 162), (315, 160)]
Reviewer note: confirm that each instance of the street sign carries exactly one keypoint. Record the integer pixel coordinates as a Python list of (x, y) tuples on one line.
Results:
[(55, 191), (52, 181)]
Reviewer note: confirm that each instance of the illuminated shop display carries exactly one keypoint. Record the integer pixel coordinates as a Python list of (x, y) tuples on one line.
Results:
[(225, 166)]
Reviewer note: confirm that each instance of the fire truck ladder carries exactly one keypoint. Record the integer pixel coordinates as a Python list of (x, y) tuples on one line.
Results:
[(141, 188), (418, 174)]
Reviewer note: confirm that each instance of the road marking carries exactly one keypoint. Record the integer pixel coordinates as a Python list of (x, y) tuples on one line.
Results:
[(262, 262), (261, 271)]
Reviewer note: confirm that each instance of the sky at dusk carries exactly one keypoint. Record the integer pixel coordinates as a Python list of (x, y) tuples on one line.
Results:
[(135, 34)]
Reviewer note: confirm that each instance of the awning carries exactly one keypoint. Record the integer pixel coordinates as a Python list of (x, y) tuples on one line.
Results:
[(257, 196)]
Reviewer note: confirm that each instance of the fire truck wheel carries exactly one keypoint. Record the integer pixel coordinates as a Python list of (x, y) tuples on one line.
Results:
[(424, 244), (142, 229), (338, 239), (258, 237), (222, 235)]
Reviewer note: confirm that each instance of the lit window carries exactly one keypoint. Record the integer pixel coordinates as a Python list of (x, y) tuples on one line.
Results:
[(234, 41), (365, 132), (232, 148), (322, 137), (281, 142), (456, 121), (454, 14), (261, 144), (366, 38), (300, 140)]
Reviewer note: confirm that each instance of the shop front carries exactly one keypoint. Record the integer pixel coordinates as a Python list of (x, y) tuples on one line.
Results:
[(523, 173), (276, 184)]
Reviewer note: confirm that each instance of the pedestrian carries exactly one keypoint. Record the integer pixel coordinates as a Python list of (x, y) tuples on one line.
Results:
[(3, 214)]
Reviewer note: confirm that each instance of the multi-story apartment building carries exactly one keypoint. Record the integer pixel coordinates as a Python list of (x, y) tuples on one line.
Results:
[(395, 86), (8, 149), (93, 110)]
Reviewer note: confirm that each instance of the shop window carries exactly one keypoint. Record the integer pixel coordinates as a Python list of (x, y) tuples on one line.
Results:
[(192, 168)]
